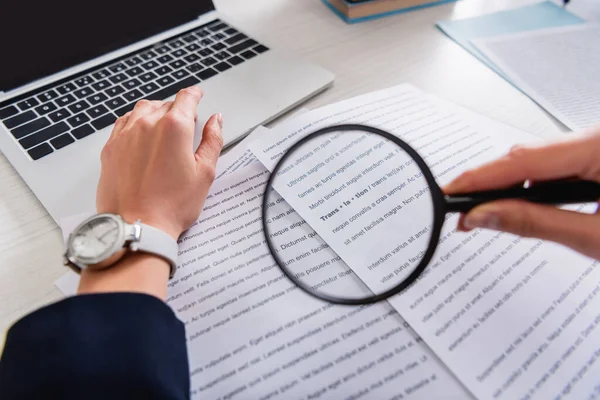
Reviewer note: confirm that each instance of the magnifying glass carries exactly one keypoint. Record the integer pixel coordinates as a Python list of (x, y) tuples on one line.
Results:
[(375, 197)]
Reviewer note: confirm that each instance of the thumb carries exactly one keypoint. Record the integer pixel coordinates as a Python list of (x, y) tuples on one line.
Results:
[(212, 141), (573, 229)]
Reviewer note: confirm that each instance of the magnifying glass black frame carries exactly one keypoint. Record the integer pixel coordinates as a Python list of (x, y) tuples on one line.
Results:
[(551, 192)]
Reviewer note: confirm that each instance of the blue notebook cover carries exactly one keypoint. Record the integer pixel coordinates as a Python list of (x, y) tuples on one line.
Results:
[(385, 14)]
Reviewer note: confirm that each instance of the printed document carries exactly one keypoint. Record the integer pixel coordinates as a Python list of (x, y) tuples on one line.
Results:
[(512, 318), (252, 334), (559, 68)]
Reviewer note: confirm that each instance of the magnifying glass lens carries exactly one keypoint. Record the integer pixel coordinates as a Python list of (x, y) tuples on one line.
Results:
[(358, 215)]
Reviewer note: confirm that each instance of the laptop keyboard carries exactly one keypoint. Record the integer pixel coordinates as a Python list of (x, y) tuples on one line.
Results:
[(50, 118)]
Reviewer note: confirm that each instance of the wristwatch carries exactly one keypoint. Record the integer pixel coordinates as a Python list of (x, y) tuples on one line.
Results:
[(103, 239)]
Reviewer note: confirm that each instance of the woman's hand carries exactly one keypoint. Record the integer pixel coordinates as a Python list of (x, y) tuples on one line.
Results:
[(578, 156), (151, 173)]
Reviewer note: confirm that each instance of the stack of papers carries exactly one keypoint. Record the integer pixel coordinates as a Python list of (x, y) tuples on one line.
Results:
[(546, 52), (494, 316)]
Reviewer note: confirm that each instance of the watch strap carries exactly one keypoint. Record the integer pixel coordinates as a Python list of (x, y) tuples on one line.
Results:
[(157, 242)]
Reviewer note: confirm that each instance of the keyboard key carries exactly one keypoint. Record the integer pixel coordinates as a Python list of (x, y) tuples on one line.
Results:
[(223, 66), (162, 49), (248, 54), (85, 92), (79, 106), (238, 48), (120, 67), (82, 131), (104, 121), (207, 73), (237, 38), (206, 52), (101, 85), (182, 73), (164, 59), (235, 60), (134, 71), (179, 53), (165, 80), (118, 78), (43, 135), (59, 115), (97, 111), (176, 44), (62, 141), (202, 33), (19, 119), (217, 27), (133, 61), (177, 64), (150, 64), (148, 76), (230, 31), (65, 100), (219, 36), (206, 42), (219, 46), (31, 127), (86, 80), (163, 70), (78, 119), (195, 67), (47, 96), (97, 98), (133, 95), (8, 112), (173, 89), (27, 104), (149, 87), (190, 38), (40, 151), (222, 55), (64, 89), (124, 110), (209, 61), (260, 48), (115, 103), (114, 91), (132, 83), (191, 58), (193, 47), (101, 74), (148, 55)]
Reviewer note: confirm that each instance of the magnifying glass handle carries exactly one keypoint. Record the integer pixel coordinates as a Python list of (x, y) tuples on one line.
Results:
[(550, 192)]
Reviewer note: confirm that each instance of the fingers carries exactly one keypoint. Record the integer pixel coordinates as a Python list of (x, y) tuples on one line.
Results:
[(562, 159), (576, 230), (120, 124), (187, 101), (141, 109), (212, 141)]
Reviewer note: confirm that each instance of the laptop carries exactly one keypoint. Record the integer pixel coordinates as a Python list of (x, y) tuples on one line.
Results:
[(70, 69)]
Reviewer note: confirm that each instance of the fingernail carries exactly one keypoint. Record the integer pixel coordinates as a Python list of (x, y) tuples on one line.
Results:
[(220, 120), (482, 219)]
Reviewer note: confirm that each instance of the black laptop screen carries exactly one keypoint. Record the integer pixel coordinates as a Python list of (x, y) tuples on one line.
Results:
[(43, 37)]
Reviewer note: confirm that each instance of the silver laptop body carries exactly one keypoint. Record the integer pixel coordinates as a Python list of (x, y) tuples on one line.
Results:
[(58, 152)]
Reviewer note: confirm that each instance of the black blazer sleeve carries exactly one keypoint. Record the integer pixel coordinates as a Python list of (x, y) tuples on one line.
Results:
[(101, 346)]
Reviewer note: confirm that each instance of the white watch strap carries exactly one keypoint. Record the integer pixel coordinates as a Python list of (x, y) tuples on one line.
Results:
[(155, 241)]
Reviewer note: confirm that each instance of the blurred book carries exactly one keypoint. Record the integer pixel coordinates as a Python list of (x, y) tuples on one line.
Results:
[(353, 11)]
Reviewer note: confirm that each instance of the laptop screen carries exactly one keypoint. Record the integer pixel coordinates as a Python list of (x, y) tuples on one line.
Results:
[(43, 37)]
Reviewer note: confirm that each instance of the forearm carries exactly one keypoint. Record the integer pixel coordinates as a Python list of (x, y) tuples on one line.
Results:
[(136, 273)]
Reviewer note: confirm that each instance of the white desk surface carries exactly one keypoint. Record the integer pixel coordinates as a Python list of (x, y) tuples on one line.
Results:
[(365, 57)]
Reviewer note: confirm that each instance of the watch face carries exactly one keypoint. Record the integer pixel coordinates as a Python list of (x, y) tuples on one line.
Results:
[(95, 238)]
